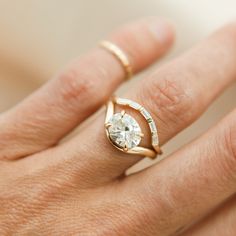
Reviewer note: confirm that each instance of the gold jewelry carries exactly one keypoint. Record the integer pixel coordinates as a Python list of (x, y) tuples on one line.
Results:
[(124, 132), (120, 55)]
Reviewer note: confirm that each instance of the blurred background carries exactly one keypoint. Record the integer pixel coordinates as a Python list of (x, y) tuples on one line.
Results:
[(38, 37)]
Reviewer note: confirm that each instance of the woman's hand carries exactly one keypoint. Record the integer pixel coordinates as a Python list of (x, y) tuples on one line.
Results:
[(78, 187)]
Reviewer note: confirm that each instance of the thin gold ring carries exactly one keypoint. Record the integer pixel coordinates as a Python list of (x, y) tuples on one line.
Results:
[(123, 131), (120, 55)]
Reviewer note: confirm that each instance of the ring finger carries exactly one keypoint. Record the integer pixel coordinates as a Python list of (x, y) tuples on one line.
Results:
[(175, 95)]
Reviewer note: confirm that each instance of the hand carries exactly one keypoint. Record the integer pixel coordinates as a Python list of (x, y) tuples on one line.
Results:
[(78, 187)]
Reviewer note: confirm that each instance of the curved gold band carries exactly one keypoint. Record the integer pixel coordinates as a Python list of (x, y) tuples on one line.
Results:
[(151, 153), (120, 55)]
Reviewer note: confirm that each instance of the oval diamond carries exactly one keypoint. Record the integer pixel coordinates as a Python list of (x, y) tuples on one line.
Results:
[(124, 131)]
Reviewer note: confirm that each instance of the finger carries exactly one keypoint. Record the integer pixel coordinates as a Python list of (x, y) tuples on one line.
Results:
[(50, 113), (175, 95), (220, 222), (190, 183)]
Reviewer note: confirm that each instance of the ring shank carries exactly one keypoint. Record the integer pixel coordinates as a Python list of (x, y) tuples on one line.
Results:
[(120, 55), (143, 151)]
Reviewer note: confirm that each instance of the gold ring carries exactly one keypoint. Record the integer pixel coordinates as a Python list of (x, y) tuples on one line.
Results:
[(120, 55), (124, 132)]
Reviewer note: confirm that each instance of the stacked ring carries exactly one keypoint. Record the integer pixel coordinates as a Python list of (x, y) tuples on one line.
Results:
[(124, 132), (120, 55)]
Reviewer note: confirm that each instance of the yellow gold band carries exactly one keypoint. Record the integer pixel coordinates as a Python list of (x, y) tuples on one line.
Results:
[(120, 55)]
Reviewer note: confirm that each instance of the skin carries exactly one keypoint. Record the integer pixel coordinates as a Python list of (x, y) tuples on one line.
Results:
[(79, 186)]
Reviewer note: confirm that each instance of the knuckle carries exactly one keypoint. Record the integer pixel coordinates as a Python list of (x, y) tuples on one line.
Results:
[(80, 84), (169, 99), (75, 85)]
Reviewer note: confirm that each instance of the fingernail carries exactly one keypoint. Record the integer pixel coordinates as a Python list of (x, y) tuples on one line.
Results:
[(162, 31)]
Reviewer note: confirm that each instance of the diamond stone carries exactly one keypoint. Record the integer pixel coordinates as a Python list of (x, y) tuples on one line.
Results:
[(124, 130)]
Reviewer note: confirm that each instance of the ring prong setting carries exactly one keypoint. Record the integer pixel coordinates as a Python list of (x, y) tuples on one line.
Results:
[(125, 148), (107, 125), (141, 135), (122, 113)]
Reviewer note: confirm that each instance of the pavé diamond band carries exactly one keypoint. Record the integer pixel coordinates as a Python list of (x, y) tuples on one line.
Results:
[(124, 132)]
